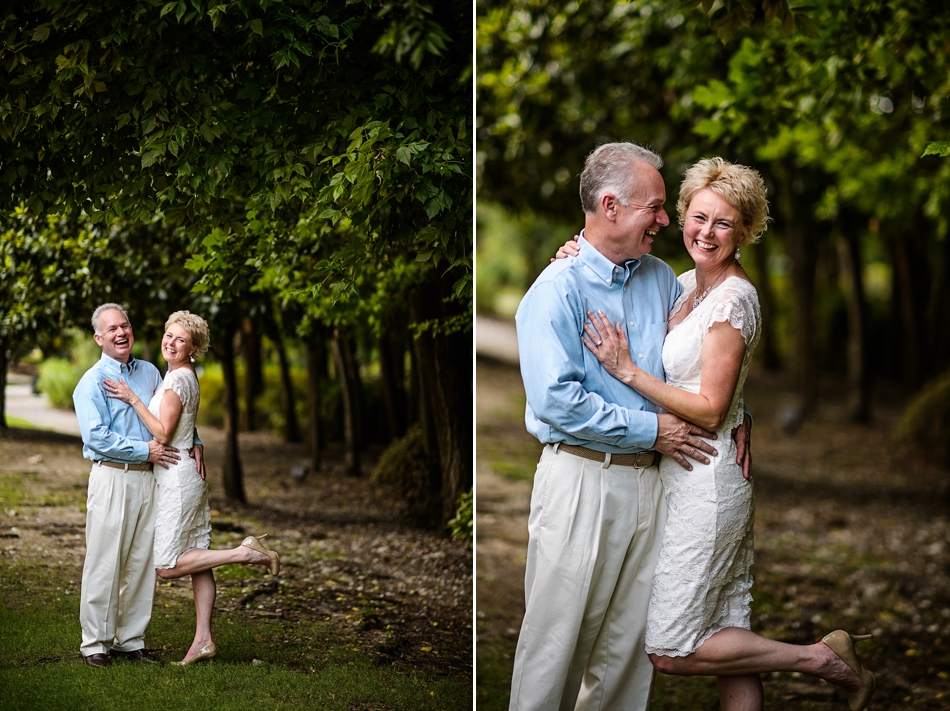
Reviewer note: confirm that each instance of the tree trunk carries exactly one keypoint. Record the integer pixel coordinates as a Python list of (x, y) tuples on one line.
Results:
[(940, 314), (801, 244), (3, 387), (421, 366), (770, 356), (859, 381), (446, 376), (392, 353), (909, 274), (233, 474), (348, 376), (316, 374), (291, 427), (253, 371)]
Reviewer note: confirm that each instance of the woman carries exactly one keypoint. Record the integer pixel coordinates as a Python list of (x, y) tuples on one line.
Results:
[(183, 516), (698, 623)]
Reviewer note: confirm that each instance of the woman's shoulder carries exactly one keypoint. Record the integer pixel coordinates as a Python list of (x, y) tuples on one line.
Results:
[(687, 278), (181, 378), (740, 287)]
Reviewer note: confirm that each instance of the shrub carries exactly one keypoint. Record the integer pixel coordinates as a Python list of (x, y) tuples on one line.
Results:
[(461, 525), (926, 423), (405, 469), (211, 405), (58, 378)]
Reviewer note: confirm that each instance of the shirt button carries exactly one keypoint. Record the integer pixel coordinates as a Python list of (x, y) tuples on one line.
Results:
[(631, 323), (640, 355)]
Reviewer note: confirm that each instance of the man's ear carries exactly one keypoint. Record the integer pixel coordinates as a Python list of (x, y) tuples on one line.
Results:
[(98, 339), (609, 204)]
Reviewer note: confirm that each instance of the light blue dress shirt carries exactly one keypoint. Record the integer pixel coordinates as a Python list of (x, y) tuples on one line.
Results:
[(571, 398), (110, 428)]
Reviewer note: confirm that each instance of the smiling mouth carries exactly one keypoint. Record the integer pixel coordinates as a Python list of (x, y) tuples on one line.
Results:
[(122, 341), (651, 233), (706, 246)]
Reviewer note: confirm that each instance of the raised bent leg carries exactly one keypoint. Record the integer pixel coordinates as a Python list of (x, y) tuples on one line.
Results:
[(735, 652), (198, 560)]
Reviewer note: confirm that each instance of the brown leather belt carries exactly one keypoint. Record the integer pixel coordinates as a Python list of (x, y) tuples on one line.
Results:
[(143, 467), (641, 460)]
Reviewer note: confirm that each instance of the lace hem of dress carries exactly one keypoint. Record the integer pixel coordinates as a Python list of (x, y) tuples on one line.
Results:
[(718, 627), (198, 538)]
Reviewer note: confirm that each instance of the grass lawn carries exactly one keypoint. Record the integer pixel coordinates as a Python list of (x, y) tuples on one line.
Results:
[(321, 636)]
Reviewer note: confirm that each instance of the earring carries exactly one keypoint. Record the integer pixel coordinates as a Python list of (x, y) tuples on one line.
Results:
[(737, 254), (192, 358)]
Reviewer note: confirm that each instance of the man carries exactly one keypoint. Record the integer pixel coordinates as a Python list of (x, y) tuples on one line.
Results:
[(597, 506), (118, 580)]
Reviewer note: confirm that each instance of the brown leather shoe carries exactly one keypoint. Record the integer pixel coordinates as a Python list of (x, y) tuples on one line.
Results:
[(97, 660), (136, 655)]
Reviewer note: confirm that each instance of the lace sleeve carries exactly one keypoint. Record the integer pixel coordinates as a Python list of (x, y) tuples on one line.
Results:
[(738, 303), (184, 384)]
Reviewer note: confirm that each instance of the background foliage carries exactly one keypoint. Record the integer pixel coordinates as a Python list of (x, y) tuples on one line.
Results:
[(293, 170), (836, 104)]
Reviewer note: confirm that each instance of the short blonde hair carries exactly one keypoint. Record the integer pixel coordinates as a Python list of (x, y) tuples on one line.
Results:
[(740, 186), (196, 326)]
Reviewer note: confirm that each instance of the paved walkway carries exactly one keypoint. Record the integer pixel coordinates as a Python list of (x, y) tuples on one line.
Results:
[(35, 409), (496, 339)]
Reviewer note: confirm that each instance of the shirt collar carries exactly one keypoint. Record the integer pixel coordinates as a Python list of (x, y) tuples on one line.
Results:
[(112, 364), (603, 268)]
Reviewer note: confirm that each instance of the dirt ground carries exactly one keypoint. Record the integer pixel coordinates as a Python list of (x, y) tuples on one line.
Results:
[(851, 532), (404, 595)]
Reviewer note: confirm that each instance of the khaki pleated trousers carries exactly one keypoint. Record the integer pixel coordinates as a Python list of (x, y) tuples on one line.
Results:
[(118, 579), (594, 535)]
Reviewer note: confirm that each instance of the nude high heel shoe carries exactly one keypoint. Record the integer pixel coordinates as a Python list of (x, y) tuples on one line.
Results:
[(842, 644), (254, 543), (209, 651)]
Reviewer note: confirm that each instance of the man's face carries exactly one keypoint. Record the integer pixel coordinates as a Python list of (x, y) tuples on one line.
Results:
[(638, 222), (115, 335)]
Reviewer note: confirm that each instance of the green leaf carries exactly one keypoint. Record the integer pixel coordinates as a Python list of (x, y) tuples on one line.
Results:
[(41, 33), (937, 148), (257, 27), (713, 95), (149, 157)]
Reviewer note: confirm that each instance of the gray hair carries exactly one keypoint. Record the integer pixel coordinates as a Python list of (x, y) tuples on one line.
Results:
[(106, 307), (608, 170)]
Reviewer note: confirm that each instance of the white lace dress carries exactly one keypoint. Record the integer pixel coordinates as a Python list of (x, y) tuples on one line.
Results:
[(703, 576), (183, 516)]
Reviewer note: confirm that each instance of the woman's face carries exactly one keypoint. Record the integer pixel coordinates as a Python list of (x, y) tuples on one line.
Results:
[(177, 346), (713, 229)]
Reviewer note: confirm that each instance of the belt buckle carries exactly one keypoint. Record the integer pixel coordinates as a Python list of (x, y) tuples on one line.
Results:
[(636, 459)]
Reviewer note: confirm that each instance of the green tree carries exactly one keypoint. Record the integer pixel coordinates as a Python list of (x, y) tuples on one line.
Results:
[(229, 122), (834, 105)]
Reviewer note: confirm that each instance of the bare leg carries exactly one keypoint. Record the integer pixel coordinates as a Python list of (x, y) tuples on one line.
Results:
[(736, 652), (199, 559), (203, 587), (741, 693)]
